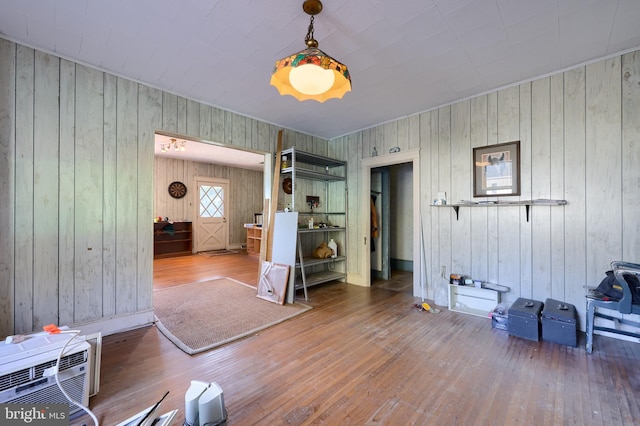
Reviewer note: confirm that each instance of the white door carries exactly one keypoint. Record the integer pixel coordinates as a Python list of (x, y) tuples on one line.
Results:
[(212, 229)]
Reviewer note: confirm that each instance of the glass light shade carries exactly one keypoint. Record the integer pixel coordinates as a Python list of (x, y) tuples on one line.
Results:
[(311, 79), (290, 76)]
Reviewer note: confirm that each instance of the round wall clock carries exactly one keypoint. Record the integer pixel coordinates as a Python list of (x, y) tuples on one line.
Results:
[(177, 189)]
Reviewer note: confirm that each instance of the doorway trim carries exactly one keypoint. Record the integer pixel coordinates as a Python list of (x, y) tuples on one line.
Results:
[(411, 156), (197, 182), (267, 170)]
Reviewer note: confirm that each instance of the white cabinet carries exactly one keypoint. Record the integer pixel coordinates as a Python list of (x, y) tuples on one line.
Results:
[(472, 300), (318, 192)]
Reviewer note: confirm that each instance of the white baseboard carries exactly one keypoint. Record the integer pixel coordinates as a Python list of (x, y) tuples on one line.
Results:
[(117, 324)]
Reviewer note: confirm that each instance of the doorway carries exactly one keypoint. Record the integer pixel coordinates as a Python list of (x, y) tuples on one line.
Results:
[(211, 227), (391, 244), (247, 173), (368, 164)]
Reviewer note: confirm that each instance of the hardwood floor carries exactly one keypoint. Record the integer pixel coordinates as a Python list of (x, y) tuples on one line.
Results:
[(188, 269), (366, 356)]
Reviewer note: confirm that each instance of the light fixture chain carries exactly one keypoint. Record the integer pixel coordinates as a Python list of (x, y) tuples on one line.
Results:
[(309, 31)]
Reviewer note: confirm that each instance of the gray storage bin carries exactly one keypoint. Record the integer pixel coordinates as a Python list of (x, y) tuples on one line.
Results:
[(524, 319), (559, 323)]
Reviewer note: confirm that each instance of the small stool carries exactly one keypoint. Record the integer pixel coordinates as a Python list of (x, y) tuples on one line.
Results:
[(623, 306)]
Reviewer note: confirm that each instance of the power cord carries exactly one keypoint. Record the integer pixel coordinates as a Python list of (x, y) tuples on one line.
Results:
[(74, 333)]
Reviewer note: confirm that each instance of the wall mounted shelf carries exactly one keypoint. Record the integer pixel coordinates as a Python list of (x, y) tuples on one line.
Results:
[(526, 203)]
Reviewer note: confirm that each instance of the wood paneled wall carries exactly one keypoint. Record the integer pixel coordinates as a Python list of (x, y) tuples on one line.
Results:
[(76, 179), (245, 195), (580, 141), (77, 186)]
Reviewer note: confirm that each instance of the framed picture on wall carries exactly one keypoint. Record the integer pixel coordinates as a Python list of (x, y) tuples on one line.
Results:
[(496, 170)]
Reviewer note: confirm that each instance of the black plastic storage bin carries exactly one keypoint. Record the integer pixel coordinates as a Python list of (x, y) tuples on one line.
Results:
[(559, 323), (524, 319)]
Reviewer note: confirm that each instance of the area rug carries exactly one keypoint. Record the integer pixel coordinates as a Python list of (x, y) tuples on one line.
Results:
[(200, 316), (219, 252)]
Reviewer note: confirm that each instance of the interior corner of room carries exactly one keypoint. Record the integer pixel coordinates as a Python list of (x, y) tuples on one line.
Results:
[(481, 172)]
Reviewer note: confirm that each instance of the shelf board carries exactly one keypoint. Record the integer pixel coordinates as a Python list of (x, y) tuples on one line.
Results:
[(498, 203), (320, 213), (312, 261), (313, 159), (527, 203), (161, 233), (328, 229), (182, 240), (165, 223), (310, 174), (320, 277)]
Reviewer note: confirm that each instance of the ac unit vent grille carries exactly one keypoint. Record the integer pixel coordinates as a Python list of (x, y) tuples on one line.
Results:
[(15, 378), (39, 369), (26, 375), (73, 386), (72, 360)]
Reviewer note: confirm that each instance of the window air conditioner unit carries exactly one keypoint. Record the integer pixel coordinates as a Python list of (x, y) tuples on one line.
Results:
[(26, 376)]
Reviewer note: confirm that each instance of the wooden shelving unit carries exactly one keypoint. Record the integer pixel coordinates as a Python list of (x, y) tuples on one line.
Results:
[(254, 239), (172, 239)]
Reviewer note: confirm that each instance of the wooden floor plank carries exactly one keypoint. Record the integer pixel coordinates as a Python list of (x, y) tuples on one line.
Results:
[(365, 356)]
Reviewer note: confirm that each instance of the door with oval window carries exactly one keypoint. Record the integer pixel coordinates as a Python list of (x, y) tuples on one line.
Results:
[(212, 228)]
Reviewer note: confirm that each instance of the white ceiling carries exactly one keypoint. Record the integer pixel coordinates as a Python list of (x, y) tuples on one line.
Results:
[(205, 152), (404, 56)]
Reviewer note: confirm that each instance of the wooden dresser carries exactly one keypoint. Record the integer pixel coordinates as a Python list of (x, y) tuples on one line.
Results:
[(172, 239)]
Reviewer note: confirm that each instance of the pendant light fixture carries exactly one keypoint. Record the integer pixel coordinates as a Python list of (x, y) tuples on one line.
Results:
[(174, 144), (311, 73)]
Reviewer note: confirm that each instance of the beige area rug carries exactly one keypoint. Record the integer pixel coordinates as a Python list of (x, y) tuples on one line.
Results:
[(201, 316)]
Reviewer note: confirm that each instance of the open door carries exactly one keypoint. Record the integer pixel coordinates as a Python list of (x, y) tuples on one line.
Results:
[(380, 250)]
